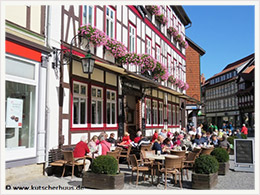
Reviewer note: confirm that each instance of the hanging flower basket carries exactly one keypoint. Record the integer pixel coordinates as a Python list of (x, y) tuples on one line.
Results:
[(162, 19), (153, 9), (172, 31)]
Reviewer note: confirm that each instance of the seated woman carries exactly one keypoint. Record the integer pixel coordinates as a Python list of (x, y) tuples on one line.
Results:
[(157, 144), (155, 136), (92, 145), (138, 136), (103, 146), (126, 140), (166, 146)]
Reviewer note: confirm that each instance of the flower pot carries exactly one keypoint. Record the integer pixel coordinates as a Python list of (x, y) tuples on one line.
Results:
[(103, 181), (204, 181), (223, 168)]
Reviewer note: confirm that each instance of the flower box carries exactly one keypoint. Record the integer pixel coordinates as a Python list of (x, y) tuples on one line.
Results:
[(223, 168), (204, 181)]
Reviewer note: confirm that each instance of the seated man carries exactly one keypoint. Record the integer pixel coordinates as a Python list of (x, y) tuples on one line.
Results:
[(111, 139), (214, 141), (138, 136), (80, 151)]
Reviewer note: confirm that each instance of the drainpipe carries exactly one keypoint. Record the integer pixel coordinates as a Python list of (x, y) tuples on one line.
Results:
[(47, 110), (190, 24)]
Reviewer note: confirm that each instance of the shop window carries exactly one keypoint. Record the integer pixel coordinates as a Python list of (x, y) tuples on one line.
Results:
[(155, 112), (160, 113), (96, 106), (174, 115), (148, 112), (79, 104), (111, 107), (169, 114)]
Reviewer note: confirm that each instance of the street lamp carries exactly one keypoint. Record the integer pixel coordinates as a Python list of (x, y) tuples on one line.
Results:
[(87, 61)]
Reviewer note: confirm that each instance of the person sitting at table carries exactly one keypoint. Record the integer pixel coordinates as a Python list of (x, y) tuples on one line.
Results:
[(163, 133), (126, 140), (157, 144), (179, 140), (193, 131), (81, 150), (166, 146), (169, 134), (155, 135), (111, 138), (187, 142), (103, 146), (138, 137), (214, 141), (205, 138), (224, 143), (198, 141), (92, 144)]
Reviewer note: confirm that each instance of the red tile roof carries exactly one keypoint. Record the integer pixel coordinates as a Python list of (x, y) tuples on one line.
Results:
[(249, 69)]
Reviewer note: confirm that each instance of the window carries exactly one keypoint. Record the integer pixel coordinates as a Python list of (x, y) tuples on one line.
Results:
[(97, 106), (173, 114), (168, 16), (177, 115), (169, 64), (160, 113), (79, 104), (158, 53), (148, 112), (88, 13), (169, 114), (174, 67), (174, 20), (110, 22), (132, 38), (148, 46), (155, 112), (111, 107)]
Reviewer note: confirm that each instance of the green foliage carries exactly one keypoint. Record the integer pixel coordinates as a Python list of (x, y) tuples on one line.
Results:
[(243, 136), (206, 164), (220, 154), (104, 165), (230, 139)]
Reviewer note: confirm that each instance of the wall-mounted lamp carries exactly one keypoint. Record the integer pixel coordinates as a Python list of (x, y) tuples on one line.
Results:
[(87, 61)]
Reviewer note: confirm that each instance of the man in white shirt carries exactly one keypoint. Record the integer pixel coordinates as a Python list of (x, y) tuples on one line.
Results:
[(199, 129), (193, 131)]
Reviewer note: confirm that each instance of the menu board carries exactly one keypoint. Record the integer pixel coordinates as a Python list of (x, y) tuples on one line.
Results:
[(244, 151), (14, 113)]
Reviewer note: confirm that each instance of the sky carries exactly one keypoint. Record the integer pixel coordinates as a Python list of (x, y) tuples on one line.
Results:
[(226, 33)]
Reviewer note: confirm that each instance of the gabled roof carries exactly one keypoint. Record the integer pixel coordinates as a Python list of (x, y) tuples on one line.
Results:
[(234, 65), (180, 12), (195, 46), (249, 69)]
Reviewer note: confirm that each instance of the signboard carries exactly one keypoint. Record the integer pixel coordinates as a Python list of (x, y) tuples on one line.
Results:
[(14, 113), (244, 155)]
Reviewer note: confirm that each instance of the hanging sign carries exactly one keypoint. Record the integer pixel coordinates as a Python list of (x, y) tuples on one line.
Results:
[(14, 113)]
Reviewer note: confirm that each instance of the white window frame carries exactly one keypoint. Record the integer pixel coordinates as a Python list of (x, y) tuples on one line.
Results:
[(86, 14), (168, 16), (148, 46), (150, 102), (132, 38), (169, 109), (160, 114), (155, 112), (110, 101), (110, 21), (80, 96), (169, 63), (158, 53), (21, 152), (97, 99)]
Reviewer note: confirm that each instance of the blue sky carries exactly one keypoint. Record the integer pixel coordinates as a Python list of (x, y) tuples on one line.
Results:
[(226, 33)]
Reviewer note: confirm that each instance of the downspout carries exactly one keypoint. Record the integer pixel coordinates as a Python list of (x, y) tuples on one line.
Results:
[(190, 24), (47, 110)]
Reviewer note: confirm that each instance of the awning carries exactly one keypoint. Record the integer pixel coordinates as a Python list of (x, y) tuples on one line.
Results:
[(114, 68)]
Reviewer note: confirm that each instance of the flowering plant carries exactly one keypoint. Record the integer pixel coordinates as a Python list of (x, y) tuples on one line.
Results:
[(131, 58), (161, 18), (117, 48), (172, 31), (94, 35), (186, 86), (153, 9), (171, 79), (184, 44)]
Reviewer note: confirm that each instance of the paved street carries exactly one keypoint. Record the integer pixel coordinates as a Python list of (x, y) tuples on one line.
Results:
[(232, 181)]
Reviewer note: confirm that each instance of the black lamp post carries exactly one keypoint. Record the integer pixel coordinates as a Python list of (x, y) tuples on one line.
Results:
[(87, 61)]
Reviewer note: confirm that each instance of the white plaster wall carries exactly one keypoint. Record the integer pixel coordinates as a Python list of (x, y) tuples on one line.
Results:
[(139, 27), (138, 45), (100, 19), (118, 29), (36, 18), (143, 47), (100, 51), (143, 30), (125, 22), (66, 77), (125, 34), (66, 96), (132, 17), (75, 137), (20, 14), (148, 31), (157, 39), (119, 10), (65, 131)]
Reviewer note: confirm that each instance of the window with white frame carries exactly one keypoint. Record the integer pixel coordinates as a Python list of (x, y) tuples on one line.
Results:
[(173, 115), (132, 38), (148, 46), (111, 107), (161, 113), (96, 106), (169, 114), (148, 112), (88, 14), (158, 53), (110, 22), (169, 64), (169, 17), (155, 112), (79, 104), (175, 67)]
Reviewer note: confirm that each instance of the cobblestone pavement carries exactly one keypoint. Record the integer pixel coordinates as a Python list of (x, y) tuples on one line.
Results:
[(231, 181)]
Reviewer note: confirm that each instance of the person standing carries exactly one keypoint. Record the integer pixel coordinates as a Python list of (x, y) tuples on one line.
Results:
[(244, 130), (80, 151)]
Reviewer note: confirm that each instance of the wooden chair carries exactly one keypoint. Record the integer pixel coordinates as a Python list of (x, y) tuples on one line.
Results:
[(197, 151), (172, 166), (206, 151), (147, 147), (189, 162), (179, 153), (71, 161), (115, 154), (126, 153), (136, 167)]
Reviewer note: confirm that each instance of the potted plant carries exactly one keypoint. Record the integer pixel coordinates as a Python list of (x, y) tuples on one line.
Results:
[(222, 157), (205, 174), (230, 139), (103, 174)]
